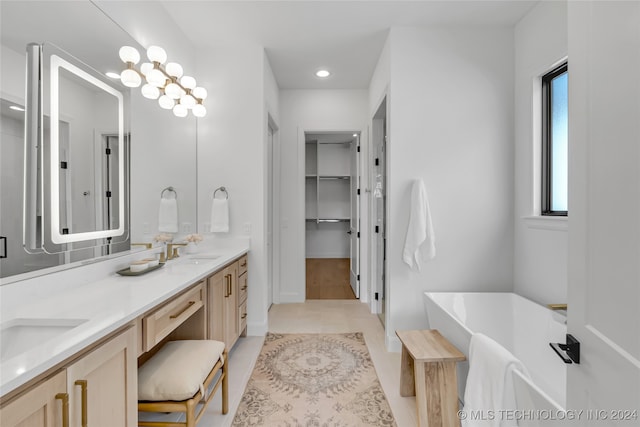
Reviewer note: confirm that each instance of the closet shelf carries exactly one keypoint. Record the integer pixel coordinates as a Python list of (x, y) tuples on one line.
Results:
[(345, 177), (318, 220)]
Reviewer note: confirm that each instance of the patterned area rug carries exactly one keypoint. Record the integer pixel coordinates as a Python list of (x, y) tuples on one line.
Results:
[(314, 380)]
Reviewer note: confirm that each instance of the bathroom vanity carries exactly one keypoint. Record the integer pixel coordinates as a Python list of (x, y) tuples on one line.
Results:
[(83, 371)]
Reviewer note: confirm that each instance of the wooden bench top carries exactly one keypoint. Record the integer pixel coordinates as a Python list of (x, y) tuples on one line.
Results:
[(427, 345)]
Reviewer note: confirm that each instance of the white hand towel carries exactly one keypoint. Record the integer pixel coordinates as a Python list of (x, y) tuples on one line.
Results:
[(420, 243), (489, 389), (168, 216), (220, 216)]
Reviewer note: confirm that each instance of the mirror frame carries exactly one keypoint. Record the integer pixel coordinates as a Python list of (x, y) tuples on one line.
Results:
[(57, 237)]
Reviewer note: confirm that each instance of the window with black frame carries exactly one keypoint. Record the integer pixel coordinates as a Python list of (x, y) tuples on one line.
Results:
[(555, 141)]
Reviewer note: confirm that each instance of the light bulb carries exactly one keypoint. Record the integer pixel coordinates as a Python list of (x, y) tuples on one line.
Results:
[(173, 90), (145, 68), (166, 102), (129, 54), (156, 78), (188, 101), (174, 69), (323, 73), (199, 110), (180, 110), (199, 92), (156, 54), (130, 78), (188, 82), (150, 91)]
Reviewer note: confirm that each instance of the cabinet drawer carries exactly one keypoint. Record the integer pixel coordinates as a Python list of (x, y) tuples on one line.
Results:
[(242, 288), (242, 316), (242, 265), (164, 320)]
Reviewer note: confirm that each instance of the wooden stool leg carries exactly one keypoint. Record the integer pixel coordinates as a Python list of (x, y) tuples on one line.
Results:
[(437, 394), (225, 383), (191, 413), (407, 379)]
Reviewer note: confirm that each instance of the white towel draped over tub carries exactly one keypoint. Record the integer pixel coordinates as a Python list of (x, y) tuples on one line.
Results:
[(490, 389), (420, 243), (168, 216), (220, 216)]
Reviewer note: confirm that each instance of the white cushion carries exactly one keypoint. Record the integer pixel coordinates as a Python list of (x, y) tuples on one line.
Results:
[(178, 369)]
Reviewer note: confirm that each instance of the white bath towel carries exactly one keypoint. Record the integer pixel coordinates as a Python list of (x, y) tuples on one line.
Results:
[(420, 243), (489, 389), (168, 216), (220, 216)]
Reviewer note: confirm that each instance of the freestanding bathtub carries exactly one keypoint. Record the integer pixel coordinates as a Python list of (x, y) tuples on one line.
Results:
[(518, 324)]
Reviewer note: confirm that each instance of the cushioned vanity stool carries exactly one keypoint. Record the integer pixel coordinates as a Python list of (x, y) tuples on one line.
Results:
[(177, 378)]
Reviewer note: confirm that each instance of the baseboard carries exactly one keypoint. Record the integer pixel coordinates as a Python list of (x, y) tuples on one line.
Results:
[(393, 344), (327, 255), (257, 329)]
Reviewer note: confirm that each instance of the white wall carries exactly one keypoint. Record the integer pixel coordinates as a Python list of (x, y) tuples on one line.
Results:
[(231, 153), (452, 125), (300, 111), (540, 270)]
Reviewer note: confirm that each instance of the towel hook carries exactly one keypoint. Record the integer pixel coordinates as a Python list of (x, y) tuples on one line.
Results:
[(170, 189), (224, 190)]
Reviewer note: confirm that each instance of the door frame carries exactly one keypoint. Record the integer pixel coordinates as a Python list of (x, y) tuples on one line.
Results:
[(272, 217), (301, 217), (373, 261)]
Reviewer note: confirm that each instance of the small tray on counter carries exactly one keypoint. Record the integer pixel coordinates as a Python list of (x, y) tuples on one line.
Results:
[(128, 272)]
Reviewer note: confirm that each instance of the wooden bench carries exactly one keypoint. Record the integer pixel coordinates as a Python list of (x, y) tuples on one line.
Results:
[(178, 377), (428, 371)]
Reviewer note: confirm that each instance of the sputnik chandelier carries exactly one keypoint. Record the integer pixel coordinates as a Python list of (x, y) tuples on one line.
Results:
[(173, 90)]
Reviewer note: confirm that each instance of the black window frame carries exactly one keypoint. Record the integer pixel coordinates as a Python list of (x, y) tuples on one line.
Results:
[(547, 141)]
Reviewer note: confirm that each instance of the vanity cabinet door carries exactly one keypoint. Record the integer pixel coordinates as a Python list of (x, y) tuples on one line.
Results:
[(42, 406), (231, 315), (222, 293), (103, 385)]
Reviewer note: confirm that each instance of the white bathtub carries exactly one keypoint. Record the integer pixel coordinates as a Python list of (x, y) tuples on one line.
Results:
[(520, 325)]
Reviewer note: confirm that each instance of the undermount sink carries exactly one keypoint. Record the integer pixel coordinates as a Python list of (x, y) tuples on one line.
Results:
[(199, 258), (20, 335)]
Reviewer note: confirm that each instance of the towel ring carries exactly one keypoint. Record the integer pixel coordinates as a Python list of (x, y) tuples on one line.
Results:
[(170, 189), (224, 190)]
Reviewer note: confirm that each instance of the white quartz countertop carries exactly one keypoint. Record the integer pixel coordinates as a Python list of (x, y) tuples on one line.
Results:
[(103, 304)]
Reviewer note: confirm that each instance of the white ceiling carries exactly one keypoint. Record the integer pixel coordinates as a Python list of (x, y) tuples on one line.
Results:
[(346, 37)]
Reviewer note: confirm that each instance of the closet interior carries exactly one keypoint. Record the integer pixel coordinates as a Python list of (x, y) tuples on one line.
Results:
[(328, 199)]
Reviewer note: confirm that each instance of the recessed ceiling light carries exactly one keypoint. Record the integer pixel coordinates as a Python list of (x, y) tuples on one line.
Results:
[(323, 73), (113, 75), (355, 134), (17, 108)]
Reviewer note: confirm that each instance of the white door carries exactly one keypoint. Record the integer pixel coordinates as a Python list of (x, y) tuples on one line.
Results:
[(604, 211), (354, 228)]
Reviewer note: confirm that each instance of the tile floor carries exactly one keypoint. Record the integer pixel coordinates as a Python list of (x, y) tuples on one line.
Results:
[(317, 316)]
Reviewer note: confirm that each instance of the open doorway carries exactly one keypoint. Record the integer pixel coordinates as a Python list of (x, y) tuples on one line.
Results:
[(332, 232)]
